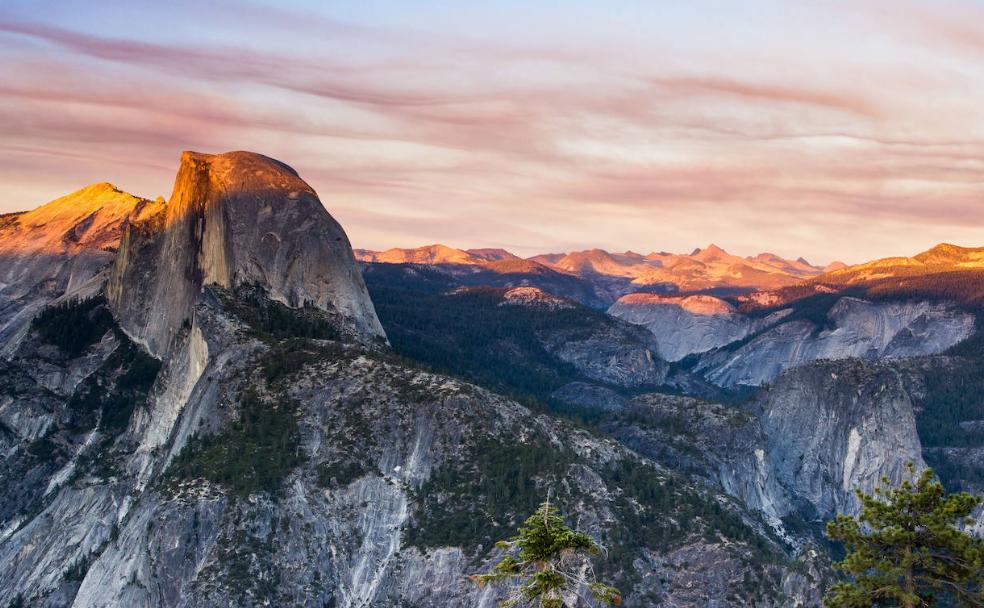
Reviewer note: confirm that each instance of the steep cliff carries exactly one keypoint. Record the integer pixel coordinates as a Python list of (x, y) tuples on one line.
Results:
[(684, 325), (723, 444), (274, 452), (832, 427), (235, 219), (797, 451), (851, 328)]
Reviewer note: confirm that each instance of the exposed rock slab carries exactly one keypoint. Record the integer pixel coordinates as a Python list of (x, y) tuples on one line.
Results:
[(857, 328), (833, 427), (684, 325)]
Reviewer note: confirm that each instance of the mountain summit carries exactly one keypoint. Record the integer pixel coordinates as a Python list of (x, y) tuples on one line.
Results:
[(60, 249), (235, 219), (609, 275)]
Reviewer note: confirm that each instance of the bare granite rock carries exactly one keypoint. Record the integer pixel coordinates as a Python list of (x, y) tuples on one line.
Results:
[(235, 219), (857, 328)]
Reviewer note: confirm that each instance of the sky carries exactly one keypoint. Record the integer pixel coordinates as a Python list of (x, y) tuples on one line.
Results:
[(830, 130)]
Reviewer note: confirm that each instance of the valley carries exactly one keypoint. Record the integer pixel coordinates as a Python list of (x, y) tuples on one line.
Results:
[(215, 401)]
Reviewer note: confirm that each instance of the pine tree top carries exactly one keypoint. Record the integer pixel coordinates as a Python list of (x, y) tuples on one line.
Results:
[(553, 563), (908, 547)]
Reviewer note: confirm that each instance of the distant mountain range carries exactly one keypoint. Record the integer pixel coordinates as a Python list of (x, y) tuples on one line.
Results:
[(206, 401), (434, 254), (709, 268)]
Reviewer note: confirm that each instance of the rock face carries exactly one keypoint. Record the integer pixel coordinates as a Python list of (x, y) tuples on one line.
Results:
[(531, 296), (60, 248), (234, 219), (252, 465), (609, 354), (721, 443), (855, 328), (833, 427), (800, 448), (684, 325), (741, 349)]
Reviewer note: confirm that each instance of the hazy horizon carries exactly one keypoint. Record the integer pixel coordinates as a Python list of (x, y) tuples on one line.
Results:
[(831, 131)]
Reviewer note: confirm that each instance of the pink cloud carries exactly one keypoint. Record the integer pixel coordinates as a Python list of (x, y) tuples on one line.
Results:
[(487, 135), (767, 93)]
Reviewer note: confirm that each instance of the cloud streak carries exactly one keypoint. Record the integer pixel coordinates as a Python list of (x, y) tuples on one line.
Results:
[(766, 94)]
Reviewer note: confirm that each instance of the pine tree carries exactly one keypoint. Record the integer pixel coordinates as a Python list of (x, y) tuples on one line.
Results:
[(553, 564), (907, 548)]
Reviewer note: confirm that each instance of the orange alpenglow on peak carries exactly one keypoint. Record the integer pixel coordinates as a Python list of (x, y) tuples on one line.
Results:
[(941, 258), (435, 254), (90, 218), (234, 219), (704, 268), (697, 304)]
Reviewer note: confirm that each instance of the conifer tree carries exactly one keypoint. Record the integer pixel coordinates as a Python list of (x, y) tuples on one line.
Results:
[(551, 565), (907, 548)]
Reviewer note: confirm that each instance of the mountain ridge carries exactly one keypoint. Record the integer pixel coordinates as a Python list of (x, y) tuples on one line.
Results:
[(231, 429), (61, 249), (248, 446), (710, 267)]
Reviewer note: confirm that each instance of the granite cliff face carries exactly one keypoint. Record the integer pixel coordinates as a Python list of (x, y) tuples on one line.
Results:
[(684, 325), (751, 349), (834, 427), (853, 328), (381, 473), (234, 219), (60, 249), (797, 450)]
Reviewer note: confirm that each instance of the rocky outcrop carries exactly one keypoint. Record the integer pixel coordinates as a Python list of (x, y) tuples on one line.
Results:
[(531, 296), (59, 250), (833, 427), (854, 328), (684, 325), (744, 349), (800, 448), (278, 454), (613, 352), (235, 219), (723, 444)]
